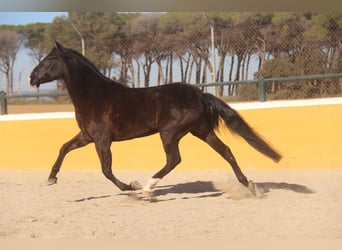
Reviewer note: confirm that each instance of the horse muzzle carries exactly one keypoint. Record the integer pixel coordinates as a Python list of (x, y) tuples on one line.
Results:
[(34, 82)]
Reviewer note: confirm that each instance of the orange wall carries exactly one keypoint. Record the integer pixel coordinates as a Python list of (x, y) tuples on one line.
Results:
[(308, 137)]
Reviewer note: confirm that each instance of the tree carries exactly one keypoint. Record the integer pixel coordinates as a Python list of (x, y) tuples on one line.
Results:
[(129, 45), (122, 47), (171, 26), (10, 43), (34, 34), (144, 30), (97, 29), (326, 30)]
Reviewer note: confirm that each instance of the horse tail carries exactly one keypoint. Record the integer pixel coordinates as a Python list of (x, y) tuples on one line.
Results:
[(216, 108)]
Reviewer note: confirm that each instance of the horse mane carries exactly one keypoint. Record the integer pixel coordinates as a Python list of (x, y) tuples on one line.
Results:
[(91, 66)]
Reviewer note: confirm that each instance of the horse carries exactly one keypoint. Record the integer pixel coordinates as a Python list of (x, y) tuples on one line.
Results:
[(108, 111)]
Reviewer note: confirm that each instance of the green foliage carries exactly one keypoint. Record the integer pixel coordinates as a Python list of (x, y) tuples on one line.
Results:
[(283, 67), (284, 43), (174, 22), (319, 26), (247, 92), (278, 67)]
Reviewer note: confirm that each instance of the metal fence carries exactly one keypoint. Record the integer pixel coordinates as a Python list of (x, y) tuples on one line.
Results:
[(289, 88), (237, 61), (148, 52), (5, 98), (228, 54), (246, 53), (257, 90)]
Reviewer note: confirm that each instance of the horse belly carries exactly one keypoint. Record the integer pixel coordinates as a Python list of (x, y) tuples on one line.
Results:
[(125, 130)]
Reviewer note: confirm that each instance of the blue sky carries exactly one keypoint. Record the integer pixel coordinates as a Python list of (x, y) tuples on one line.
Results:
[(17, 18), (24, 63)]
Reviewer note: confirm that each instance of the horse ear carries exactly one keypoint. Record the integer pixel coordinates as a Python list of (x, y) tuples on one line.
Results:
[(58, 46)]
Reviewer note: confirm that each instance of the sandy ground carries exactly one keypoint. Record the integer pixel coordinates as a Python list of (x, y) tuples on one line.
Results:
[(302, 194), (298, 204)]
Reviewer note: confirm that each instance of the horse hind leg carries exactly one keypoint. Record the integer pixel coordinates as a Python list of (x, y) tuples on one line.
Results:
[(78, 141), (213, 141)]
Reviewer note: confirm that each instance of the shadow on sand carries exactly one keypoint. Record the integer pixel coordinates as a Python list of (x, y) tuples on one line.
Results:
[(208, 189), (267, 186), (205, 189)]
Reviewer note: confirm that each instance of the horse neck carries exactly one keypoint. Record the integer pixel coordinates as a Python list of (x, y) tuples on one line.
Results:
[(78, 80), (85, 84)]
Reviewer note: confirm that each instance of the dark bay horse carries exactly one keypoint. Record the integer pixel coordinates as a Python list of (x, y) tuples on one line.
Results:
[(108, 111)]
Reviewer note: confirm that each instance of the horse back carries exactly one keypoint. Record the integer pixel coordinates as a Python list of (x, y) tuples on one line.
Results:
[(135, 112)]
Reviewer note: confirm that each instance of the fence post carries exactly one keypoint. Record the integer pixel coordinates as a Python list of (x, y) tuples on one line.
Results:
[(3, 103), (262, 92)]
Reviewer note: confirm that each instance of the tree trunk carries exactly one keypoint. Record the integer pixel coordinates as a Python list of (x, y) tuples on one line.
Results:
[(138, 73), (198, 70), (238, 68), (147, 70), (123, 70), (231, 87), (161, 77), (191, 66), (204, 73), (243, 64), (247, 65), (232, 61), (131, 70), (8, 85), (220, 75), (167, 70), (183, 76), (171, 68), (262, 53)]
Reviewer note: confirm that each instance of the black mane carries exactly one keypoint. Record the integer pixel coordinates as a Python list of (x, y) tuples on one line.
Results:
[(84, 60)]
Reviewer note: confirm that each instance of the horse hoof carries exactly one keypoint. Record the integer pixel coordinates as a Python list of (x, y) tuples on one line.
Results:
[(148, 194), (51, 181), (254, 190), (135, 185), (252, 187)]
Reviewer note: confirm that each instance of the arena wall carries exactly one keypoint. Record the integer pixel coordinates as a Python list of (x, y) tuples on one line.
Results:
[(307, 133)]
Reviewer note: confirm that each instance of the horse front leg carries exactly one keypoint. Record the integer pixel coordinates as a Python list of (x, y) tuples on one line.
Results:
[(80, 140), (105, 155)]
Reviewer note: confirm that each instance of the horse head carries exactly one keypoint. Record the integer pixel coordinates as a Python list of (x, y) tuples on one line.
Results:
[(51, 68)]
